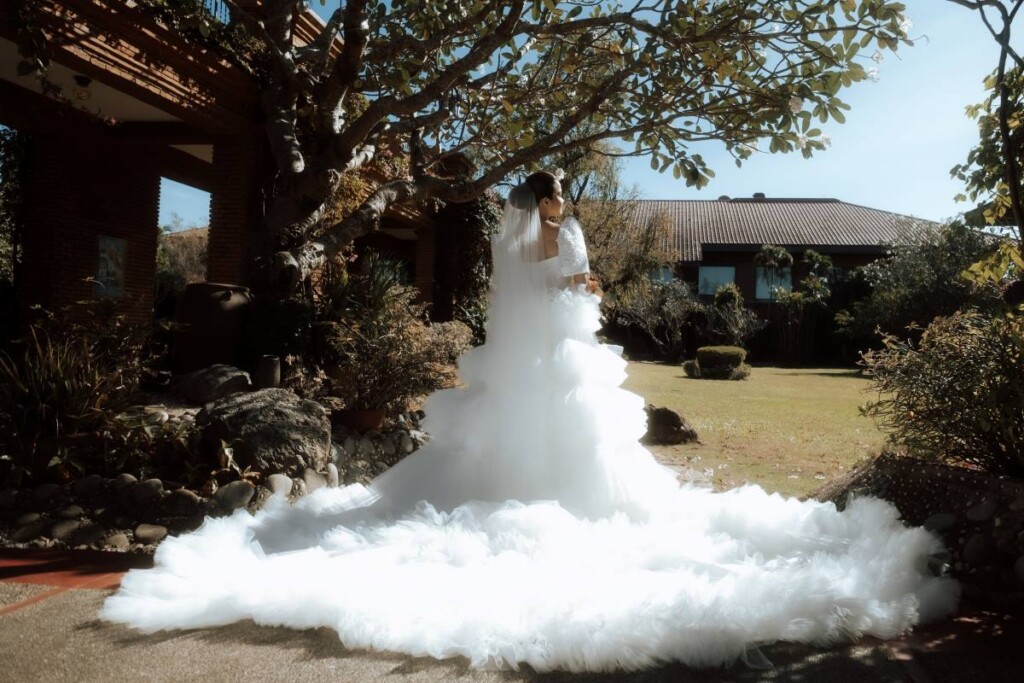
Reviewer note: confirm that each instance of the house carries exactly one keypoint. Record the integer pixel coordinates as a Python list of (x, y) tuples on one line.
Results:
[(129, 101), (713, 242)]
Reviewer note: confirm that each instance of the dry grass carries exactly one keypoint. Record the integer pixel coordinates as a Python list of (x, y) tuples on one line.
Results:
[(786, 429)]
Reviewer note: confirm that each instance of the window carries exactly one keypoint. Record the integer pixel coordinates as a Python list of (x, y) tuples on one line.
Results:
[(782, 279), (713, 277), (663, 274)]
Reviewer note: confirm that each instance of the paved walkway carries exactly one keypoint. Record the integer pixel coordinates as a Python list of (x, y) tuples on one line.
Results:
[(49, 633)]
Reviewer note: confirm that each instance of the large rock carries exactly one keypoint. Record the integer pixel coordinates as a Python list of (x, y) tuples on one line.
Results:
[(212, 383), (665, 426), (271, 430)]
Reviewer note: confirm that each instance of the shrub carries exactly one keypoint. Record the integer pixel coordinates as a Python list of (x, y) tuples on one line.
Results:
[(920, 279), (728, 321), (381, 351), (720, 357), (718, 362), (956, 395), (662, 311), (76, 365)]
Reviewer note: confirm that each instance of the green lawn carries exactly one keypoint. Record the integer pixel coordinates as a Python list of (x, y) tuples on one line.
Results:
[(786, 429)]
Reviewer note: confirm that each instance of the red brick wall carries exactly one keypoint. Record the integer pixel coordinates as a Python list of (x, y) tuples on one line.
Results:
[(426, 258), (75, 192), (234, 207)]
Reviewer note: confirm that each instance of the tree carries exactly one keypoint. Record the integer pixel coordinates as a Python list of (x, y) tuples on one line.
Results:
[(663, 312), (728, 321), (802, 304), (992, 171), (509, 82), (773, 259), (920, 280)]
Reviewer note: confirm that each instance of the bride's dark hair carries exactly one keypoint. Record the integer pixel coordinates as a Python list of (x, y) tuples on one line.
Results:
[(543, 185)]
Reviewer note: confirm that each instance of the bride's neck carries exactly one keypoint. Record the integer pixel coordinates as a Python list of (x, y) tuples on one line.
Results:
[(549, 231)]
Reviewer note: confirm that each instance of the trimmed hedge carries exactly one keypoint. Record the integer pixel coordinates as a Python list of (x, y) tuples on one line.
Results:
[(718, 362), (720, 356)]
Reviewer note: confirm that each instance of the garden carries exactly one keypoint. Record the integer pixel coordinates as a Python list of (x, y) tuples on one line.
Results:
[(899, 378)]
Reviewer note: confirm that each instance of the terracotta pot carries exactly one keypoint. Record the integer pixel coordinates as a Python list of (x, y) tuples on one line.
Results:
[(361, 420), (212, 319)]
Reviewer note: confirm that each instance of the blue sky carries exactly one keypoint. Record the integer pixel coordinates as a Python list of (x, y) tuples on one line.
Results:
[(894, 152)]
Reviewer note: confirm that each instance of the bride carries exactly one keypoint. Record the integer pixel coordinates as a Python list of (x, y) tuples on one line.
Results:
[(534, 529)]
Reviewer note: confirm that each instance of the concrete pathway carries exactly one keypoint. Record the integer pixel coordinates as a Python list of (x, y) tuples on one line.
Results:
[(49, 633)]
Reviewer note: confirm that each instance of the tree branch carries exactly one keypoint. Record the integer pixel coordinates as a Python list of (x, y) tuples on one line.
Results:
[(346, 67)]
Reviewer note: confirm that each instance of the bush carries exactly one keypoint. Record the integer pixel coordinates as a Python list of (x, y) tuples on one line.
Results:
[(75, 366), (662, 311), (920, 280), (720, 357), (718, 362), (379, 350), (728, 321), (957, 394)]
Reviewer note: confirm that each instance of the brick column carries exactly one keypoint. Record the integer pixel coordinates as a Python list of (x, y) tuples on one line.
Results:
[(75, 192), (235, 207), (426, 259)]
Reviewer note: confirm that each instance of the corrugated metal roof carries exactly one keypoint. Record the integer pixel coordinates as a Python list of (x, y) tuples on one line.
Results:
[(817, 223)]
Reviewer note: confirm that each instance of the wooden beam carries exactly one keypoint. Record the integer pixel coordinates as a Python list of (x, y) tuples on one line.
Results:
[(162, 133), (30, 112), (125, 49), (182, 167)]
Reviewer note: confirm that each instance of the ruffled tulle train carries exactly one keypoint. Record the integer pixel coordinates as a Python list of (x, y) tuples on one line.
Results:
[(551, 538)]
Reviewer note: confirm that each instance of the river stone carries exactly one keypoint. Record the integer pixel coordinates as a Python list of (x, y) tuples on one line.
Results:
[(280, 484), (147, 491), (272, 430), (27, 518), (387, 447), (8, 497), (314, 480), (63, 530), (87, 535), (45, 492), (666, 426), (333, 479), (181, 503), (350, 445), (406, 444), (150, 533), (88, 486), (235, 495), (72, 512), (983, 511), (940, 522), (976, 550), (212, 383), (124, 481), (30, 531), (118, 542), (366, 446)]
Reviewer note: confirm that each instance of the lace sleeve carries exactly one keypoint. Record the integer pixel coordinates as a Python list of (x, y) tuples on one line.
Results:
[(572, 249)]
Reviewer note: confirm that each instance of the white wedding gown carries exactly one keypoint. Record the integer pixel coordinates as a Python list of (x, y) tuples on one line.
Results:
[(534, 529)]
